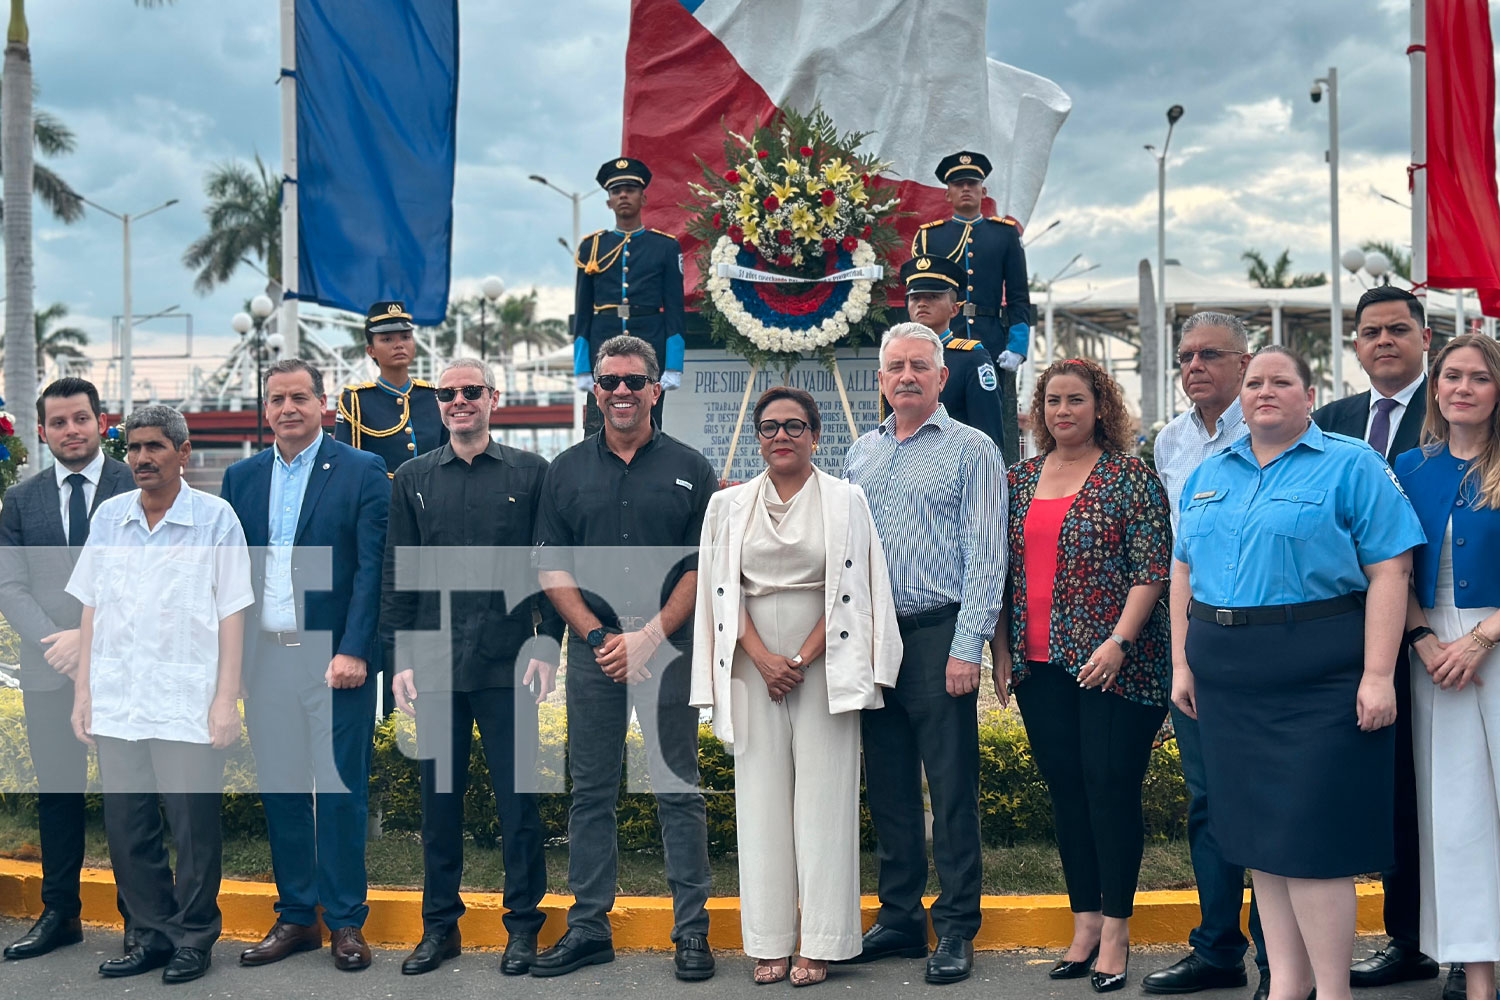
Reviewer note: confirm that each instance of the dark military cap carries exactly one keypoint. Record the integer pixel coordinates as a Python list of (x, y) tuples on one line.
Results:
[(623, 171), (963, 166), (387, 317), (932, 274)]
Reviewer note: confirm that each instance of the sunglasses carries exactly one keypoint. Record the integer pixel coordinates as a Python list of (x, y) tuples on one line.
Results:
[(1208, 355), (471, 392), (635, 383), (768, 428)]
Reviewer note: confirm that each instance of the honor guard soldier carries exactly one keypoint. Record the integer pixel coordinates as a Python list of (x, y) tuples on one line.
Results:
[(971, 393), (995, 304), (629, 282), (395, 416)]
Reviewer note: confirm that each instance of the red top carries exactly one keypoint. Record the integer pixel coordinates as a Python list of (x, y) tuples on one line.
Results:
[(1043, 526)]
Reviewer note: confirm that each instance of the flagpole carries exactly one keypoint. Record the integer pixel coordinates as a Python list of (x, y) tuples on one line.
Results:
[(288, 318), (1417, 51)]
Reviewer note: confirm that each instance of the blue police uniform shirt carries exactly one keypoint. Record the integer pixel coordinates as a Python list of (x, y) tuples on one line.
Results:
[(990, 252), (397, 426), (1297, 530), (643, 269), (972, 395)]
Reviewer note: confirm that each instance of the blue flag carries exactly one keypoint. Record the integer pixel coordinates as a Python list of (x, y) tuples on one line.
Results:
[(377, 109)]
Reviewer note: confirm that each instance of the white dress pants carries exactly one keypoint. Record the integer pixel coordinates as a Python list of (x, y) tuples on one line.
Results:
[(796, 787)]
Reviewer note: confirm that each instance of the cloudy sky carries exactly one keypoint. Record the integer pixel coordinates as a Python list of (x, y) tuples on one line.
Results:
[(157, 97)]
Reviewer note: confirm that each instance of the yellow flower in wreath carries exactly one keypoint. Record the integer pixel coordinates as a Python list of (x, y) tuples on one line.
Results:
[(814, 186), (783, 192), (746, 211), (790, 166), (752, 230), (857, 194), (836, 171), (829, 214), (804, 224), (747, 186)]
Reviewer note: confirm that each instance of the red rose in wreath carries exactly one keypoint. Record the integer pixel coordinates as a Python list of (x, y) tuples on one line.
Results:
[(718, 221), (865, 233), (784, 237), (7, 426), (784, 260), (732, 177), (736, 234), (828, 196), (762, 153), (829, 246), (772, 203), (851, 243), (806, 151)]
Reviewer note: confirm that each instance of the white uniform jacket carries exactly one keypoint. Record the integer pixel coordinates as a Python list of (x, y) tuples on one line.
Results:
[(864, 643)]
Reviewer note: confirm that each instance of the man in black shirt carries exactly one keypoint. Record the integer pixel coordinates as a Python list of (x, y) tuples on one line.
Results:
[(634, 489), (460, 503)]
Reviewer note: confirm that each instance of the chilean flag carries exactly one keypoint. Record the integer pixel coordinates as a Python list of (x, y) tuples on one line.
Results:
[(914, 73)]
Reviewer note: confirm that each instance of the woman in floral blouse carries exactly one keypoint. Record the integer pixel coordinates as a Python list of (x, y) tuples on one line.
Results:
[(1088, 651)]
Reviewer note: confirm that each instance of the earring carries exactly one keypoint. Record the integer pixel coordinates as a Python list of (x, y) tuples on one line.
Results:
[(815, 448)]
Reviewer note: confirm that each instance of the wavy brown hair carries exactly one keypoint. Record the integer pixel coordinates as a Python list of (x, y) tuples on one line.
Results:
[(1483, 477), (1111, 419)]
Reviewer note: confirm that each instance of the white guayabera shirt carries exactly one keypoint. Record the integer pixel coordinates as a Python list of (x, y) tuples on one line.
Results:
[(159, 595)]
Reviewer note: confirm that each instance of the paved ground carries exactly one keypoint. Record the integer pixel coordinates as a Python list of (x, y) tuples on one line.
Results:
[(1000, 976)]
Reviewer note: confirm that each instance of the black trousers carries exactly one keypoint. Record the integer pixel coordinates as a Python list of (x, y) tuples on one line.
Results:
[(508, 733), (921, 726), (143, 778), (1403, 880), (1092, 748), (61, 766)]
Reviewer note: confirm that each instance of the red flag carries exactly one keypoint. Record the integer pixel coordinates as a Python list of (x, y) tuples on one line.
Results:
[(1463, 209)]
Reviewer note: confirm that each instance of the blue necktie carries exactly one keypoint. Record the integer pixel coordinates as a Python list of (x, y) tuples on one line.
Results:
[(78, 512), (1380, 427)]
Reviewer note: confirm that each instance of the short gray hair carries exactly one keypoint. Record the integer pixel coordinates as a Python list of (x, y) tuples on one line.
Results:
[(1209, 318), (626, 346), (286, 366), (912, 331), (473, 364), (172, 423)]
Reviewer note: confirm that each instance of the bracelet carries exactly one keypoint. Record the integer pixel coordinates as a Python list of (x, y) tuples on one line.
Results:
[(1484, 641), (654, 631), (1418, 633)]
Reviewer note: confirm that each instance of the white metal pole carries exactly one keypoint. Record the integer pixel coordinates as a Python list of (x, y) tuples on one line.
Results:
[(1460, 320), (289, 243), (1050, 336), (579, 400), (577, 199), (1336, 308), (1418, 55), (1276, 323), (1162, 349), (127, 394)]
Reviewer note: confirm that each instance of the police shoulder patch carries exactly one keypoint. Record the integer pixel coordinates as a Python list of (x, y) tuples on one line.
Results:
[(987, 377), (1392, 474)]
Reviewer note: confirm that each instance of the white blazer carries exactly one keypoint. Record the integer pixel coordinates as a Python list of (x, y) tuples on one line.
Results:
[(864, 642)]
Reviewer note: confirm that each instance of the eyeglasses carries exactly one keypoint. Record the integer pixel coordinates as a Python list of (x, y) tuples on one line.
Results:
[(1208, 356), (635, 383), (471, 392), (768, 428)]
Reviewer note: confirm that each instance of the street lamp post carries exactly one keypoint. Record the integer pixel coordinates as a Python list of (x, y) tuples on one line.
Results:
[(1163, 347), (491, 288), (577, 199), (1330, 85), (243, 323), (127, 374)]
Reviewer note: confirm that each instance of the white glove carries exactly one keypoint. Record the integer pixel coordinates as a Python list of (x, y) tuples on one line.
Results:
[(671, 380), (1010, 360), (585, 382)]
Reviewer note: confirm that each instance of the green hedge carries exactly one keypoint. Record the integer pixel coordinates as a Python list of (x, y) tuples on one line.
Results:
[(1013, 801)]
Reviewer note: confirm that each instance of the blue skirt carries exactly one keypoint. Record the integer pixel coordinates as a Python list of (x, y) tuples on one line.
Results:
[(1294, 787)]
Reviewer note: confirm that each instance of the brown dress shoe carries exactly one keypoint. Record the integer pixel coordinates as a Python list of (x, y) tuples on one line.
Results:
[(350, 953), (282, 940)]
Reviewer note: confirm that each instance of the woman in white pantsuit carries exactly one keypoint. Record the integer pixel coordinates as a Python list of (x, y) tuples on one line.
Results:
[(795, 632), (1453, 481)]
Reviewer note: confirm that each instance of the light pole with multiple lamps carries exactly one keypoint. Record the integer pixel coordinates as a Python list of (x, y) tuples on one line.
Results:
[(127, 373), (491, 289), (1163, 345), (577, 199), (1330, 85), (244, 323)]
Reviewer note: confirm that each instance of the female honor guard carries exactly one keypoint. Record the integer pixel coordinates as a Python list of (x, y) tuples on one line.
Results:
[(395, 416)]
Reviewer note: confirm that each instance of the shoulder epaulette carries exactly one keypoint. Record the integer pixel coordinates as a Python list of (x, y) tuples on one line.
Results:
[(667, 235), (357, 386), (423, 383), (1008, 220), (960, 345), (934, 222)]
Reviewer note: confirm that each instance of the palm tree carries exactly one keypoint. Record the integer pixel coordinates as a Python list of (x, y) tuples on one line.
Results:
[(52, 138), (17, 137), (1400, 259), (519, 326), (54, 342), (1278, 275), (244, 225)]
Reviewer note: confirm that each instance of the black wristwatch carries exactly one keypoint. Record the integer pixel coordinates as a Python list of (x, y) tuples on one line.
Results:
[(596, 637), (1124, 643), (1417, 633)]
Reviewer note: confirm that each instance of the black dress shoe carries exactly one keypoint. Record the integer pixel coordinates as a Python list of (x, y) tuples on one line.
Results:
[(1392, 964), (1455, 987), (137, 960), (1193, 974), (1263, 991), (1065, 969), (432, 951), (951, 961), (694, 960), (186, 965), (1108, 982), (573, 952), (887, 942), (51, 930), (520, 952)]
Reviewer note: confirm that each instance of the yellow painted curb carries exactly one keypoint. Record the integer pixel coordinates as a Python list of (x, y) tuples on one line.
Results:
[(643, 922)]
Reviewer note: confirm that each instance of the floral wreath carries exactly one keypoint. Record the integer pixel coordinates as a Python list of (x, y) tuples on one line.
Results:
[(12, 451), (797, 202)]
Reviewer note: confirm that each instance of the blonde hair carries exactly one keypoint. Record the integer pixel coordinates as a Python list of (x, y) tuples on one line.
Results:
[(1482, 481)]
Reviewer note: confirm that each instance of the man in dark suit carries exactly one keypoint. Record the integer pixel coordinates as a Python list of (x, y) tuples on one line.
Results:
[(44, 523), (1391, 339), (311, 654)]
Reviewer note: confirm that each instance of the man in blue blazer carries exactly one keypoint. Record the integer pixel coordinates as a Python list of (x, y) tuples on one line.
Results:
[(311, 655)]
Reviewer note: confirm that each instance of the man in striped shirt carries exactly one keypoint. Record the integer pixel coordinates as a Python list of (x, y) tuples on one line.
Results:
[(937, 492)]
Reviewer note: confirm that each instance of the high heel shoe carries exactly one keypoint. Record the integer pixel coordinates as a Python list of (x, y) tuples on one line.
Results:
[(1073, 970), (1103, 982)]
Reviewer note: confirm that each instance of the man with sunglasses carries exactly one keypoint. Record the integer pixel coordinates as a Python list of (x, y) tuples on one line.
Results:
[(970, 393), (630, 614), (473, 493), (629, 282), (1212, 357)]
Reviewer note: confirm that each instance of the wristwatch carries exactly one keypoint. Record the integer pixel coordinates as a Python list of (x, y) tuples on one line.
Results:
[(1125, 643), (596, 638), (1413, 636)]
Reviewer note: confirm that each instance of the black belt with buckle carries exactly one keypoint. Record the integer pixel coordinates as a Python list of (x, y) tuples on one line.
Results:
[(970, 309), (288, 639), (626, 310), (1277, 614), (927, 619)]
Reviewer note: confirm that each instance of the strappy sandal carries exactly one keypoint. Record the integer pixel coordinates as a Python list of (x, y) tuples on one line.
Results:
[(804, 976), (770, 970)]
